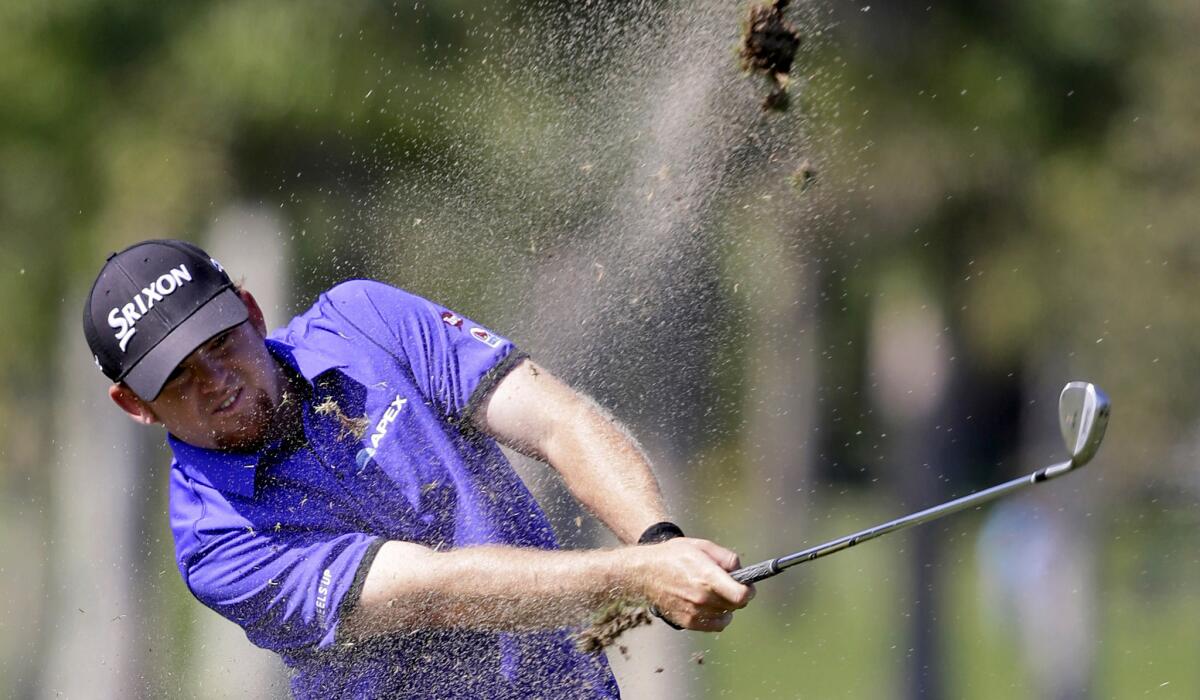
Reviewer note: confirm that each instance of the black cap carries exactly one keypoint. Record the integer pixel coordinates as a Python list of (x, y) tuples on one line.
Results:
[(151, 306)]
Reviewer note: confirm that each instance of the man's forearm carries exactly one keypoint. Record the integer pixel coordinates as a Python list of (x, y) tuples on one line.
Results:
[(410, 587), (605, 469), (536, 414), (491, 588)]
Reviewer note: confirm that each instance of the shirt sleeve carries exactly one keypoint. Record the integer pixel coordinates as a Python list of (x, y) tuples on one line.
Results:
[(454, 360), (287, 590)]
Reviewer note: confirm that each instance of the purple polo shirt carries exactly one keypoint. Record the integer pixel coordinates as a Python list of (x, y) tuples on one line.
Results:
[(280, 541)]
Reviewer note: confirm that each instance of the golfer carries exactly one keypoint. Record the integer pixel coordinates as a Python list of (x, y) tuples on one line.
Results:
[(337, 489)]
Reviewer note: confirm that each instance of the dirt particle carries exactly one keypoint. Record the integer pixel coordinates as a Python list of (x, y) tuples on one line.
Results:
[(610, 624), (355, 427), (698, 658), (769, 47), (659, 669), (802, 178)]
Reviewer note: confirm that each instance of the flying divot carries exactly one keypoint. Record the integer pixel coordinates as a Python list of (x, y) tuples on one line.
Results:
[(769, 47)]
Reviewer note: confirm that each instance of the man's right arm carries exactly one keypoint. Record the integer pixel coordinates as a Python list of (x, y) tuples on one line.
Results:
[(508, 589)]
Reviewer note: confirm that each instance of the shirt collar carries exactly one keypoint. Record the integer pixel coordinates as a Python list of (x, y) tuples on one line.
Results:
[(308, 361), (225, 471)]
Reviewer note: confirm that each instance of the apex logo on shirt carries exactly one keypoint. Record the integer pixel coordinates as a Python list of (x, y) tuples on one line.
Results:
[(489, 339), (381, 430)]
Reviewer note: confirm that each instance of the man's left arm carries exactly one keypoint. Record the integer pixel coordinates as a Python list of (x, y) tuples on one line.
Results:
[(536, 414)]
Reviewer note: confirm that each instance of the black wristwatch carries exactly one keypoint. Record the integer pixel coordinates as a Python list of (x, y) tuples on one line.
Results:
[(660, 532)]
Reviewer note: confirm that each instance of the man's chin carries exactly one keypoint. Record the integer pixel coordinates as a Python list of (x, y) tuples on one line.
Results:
[(253, 431), (243, 440)]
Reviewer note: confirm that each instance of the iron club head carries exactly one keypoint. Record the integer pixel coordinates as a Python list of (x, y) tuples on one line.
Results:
[(1083, 416)]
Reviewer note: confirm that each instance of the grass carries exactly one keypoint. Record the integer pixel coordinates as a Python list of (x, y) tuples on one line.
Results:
[(826, 630)]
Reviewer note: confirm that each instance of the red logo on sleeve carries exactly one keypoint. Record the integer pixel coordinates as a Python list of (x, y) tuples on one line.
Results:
[(452, 319), (486, 338)]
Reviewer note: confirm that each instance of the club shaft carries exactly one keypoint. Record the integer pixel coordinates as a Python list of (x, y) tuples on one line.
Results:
[(770, 567)]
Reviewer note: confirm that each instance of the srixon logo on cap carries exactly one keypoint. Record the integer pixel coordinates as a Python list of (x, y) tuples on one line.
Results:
[(125, 317)]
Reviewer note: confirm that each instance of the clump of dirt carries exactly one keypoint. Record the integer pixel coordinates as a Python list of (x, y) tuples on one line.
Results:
[(609, 625), (769, 47), (803, 176), (353, 427)]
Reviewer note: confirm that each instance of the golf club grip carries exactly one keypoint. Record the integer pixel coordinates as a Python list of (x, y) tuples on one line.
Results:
[(756, 572)]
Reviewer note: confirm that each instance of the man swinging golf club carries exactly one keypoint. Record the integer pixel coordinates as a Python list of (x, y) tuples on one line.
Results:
[(337, 489)]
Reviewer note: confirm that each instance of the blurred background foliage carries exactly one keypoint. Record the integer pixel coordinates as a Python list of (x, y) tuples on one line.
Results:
[(1007, 198)]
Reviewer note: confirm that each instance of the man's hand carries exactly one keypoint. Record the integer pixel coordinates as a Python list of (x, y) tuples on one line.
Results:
[(688, 581)]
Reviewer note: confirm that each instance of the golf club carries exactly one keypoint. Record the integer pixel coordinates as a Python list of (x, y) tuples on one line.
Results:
[(1082, 416)]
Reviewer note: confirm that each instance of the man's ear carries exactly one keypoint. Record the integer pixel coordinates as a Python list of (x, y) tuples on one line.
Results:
[(132, 404), (257, 318)]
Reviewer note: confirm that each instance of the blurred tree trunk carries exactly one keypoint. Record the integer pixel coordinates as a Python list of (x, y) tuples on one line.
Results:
[(26, 552), (97, 578), (910, 362), (779, 400)]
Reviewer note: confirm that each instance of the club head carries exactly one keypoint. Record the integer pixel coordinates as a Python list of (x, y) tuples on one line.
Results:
[(1083, 416)]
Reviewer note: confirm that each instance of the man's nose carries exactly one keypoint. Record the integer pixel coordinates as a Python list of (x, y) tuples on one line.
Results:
[(213, 374)]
